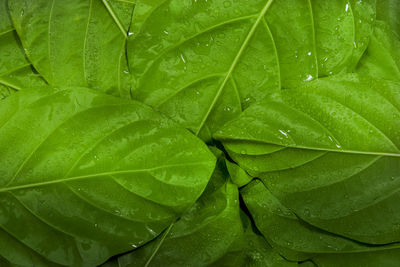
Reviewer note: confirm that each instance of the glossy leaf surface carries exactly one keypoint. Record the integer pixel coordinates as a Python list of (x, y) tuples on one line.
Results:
[(382, 57), (15, 71), (202, 62), (329, 152), (99, 176), (78, 42), (211, 233), (294, 238)]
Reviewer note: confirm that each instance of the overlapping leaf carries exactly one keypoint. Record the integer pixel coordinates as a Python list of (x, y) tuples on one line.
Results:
[(329, 152), (79, 42), (85, 176), (297, 240), (211, 233), (382, 59)]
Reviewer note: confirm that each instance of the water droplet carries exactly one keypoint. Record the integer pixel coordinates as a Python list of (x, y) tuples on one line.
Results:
[(227, 3), (307, 212), (309, 77), (183, 58)]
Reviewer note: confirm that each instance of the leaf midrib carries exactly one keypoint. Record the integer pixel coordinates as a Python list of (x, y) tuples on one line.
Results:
[(234, 63), (115, 18), (192, 231), (88, 176), (372, 153)]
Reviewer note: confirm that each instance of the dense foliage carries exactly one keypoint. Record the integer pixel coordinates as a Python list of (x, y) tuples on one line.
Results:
[(200, 133)]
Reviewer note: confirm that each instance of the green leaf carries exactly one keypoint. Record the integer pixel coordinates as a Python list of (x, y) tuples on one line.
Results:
[(237, 174), (213, 232), (111, 263), (79, 43), (85, 176), (202, 235), (382, 59), (251, 249), (388, 11), (15, 71), (292, 237), (202, 62), (387, 258), (331, 154)]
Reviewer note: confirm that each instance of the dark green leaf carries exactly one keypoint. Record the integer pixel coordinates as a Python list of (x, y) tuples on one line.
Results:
[(294, 238), (386, 258)]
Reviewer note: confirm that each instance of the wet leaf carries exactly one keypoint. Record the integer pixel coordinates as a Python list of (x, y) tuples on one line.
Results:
[(330, 153), (85, 176), (202, 62), (79, 43)]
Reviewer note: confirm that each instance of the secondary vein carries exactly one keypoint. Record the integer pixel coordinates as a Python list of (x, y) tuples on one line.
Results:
[(234, 63)]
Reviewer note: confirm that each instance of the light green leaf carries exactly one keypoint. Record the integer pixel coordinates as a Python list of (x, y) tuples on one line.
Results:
[(78, 42), (202, 62), (382, 58), (85, 176), (331, 154), (388, 11), (237, 174), (15, 71)]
